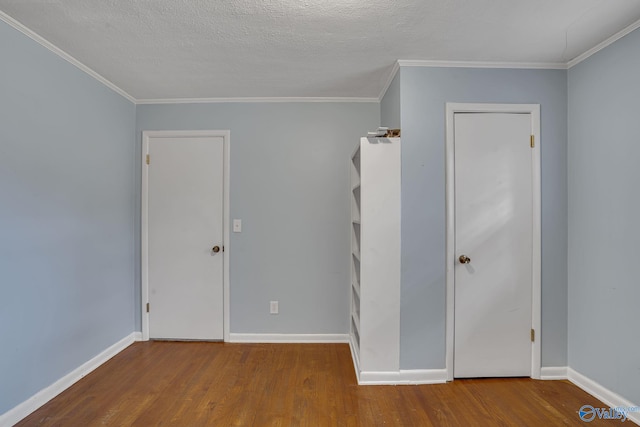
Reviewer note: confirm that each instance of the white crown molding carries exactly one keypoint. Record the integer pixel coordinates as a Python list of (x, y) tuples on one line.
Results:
[(482, 64), (12, 416), (603, 394), (466, 64), (250, 99), (288, 338), (392, 75), (64, 55), (597, 48)]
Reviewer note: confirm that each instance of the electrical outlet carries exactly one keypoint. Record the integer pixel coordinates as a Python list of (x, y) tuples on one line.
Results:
[(237, 226), (273, 307)]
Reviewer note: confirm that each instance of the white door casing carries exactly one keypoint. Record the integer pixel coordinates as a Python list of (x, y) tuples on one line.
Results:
[(493, 216), (185, 206)]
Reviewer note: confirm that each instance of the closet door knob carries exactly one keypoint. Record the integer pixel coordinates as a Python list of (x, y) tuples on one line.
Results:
[(464, 259), (216, 249)]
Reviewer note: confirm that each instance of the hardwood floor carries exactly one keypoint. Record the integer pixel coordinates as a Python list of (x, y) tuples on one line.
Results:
[(216, 384)]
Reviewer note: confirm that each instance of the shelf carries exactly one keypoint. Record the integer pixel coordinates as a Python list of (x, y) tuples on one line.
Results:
[(355, 170), (355, 272), (356, 321), (355, 345), (355, 304), (355, 206), (355, 156), (355, 237), (356, 338), (356, 287)]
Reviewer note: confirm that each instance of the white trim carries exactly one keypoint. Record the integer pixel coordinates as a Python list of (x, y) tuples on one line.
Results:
[(14, 415), (250, 99), (404, 377), (144, 213), (553, 373), (289, 338), (64, 55), (401, 377), (482, 64), (597, 48), (534, 110), (137, 336), (144, 239), (450, 240), (536, 263), (226, 218), (602, 393), (392, 75)]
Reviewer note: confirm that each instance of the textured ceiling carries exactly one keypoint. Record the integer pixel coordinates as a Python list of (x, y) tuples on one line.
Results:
[(158, 49)]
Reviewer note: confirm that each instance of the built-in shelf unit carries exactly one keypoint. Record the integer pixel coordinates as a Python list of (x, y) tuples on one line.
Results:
[(375, 257)]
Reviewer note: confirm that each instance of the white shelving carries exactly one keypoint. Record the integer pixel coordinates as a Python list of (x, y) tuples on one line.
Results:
[(375, 256), (355, 250)]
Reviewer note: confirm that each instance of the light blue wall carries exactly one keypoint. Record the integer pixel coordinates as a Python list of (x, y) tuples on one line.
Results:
[(604, 210), (66, 217), (424, 92), (390, 114), (290, 186)]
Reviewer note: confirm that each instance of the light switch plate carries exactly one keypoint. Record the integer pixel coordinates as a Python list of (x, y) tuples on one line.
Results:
[(237, 226)]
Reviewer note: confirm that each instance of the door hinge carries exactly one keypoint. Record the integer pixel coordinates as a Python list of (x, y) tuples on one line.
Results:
[(533, 335), (148, 159), (147, 307), (533, 141)]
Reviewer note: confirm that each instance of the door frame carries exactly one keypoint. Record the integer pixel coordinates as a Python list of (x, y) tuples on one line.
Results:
[(144, 215), (534, 110)]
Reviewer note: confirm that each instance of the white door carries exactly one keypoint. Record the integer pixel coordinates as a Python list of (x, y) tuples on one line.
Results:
[(185, 237), (494, 231)]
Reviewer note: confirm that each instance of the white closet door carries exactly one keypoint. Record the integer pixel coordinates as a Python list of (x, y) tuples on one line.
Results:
[(494, 229), (185, 235)]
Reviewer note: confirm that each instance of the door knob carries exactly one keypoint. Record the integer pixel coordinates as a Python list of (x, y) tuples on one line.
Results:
[(464, 259), (216, 249)]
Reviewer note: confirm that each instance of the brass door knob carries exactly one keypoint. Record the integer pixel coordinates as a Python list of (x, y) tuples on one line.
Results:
[(464, 259), (216, 249)]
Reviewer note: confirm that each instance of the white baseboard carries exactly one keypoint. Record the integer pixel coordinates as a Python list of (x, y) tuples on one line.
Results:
[(137, 336), (602, 393), (404, 377), (553, 373), (401, 377), (12, 416), (289, 338)]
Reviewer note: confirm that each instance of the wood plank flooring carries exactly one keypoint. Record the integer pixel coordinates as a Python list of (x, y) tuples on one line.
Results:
[(222, 384)]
